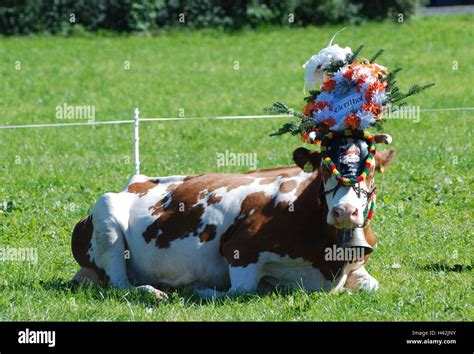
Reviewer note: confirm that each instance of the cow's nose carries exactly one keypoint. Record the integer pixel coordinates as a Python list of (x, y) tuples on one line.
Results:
[(345, 214)]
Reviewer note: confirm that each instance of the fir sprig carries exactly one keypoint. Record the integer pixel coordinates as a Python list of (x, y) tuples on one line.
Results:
[(352, 57), (414, 89), (376, 55), (281, 108)]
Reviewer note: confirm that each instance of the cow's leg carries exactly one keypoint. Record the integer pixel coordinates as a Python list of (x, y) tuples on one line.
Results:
[(86, 276), (108, 246), (242, 279), (245, 279), (361, 279)]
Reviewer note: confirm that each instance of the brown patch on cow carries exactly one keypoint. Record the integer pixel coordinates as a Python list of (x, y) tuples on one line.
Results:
[(81, 244), (213, 199), (171, 187), (239, 183), (142, 188), (301, 233), (267, 180), (202, 194), (179, 216), (159, 206), (288, 186), (289, 171), (208, 234), (370, 236)]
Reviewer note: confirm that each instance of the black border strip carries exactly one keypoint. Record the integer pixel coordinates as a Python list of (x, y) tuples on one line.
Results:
[(238, 336)]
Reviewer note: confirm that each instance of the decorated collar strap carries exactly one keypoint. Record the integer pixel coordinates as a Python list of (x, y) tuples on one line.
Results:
[(370, 209), (360, 134)]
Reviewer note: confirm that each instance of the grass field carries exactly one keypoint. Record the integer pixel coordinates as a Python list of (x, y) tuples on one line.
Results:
[(51, 177)]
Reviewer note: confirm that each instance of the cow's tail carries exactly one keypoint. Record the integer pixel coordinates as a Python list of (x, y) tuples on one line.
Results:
[(80, 245), (81, 241)]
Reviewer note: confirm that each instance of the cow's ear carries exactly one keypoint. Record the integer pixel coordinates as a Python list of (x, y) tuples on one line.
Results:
[(383, 159), (383, 139), (306, 159)]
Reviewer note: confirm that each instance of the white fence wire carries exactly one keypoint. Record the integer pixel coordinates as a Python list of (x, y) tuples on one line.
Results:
[(137, 119)]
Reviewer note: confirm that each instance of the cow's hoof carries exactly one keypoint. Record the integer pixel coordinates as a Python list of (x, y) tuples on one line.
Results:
[(159, 295), (209, 293), (369, 284)]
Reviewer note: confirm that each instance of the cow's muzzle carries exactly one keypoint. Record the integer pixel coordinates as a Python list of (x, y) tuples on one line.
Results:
[(355, 239)]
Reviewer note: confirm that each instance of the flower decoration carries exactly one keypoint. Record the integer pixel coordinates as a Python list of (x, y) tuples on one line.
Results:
[(353, 94)]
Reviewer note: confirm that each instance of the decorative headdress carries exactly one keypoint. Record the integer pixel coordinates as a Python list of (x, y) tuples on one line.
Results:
[(345, 93)]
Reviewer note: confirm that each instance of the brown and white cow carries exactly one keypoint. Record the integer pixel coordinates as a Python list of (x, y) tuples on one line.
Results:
[(226, 233)]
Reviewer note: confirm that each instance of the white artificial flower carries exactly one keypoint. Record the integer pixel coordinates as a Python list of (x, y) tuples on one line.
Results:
[(316, 65), (367, 118), (313, 74), (379, 97), (363, 71), (382, 68), (368, 81)]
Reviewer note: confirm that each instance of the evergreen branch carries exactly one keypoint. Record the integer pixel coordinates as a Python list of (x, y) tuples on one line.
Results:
[(291, 127), (312, 94), (353, 56), (278, 108), (414, 89), (335, 66), (391, 76), (376, 55)]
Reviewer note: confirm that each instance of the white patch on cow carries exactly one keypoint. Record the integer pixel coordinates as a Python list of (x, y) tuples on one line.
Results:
[(350, 159), (286, 271), (245, 279), (345, 195)]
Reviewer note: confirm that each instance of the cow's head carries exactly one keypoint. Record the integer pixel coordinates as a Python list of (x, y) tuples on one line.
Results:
[(346, 204)]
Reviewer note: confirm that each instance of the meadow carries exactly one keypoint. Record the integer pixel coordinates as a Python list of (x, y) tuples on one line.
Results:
[(51, 177)]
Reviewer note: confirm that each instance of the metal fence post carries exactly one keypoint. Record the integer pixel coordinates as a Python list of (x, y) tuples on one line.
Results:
[(136, 140)]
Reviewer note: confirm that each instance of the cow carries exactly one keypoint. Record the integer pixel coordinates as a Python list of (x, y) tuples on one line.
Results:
[(219, 233)]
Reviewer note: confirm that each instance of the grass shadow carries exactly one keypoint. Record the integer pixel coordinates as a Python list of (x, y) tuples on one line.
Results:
[(185, 296), (443, 267)]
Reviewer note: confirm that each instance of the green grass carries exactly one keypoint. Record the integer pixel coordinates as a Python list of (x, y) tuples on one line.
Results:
[(54, 175)]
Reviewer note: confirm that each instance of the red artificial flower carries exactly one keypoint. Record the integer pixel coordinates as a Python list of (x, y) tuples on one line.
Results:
[(329, 122), (376, 86), (348, 74), (371, 107), (360, 82), (320, 105), (307, 110), (328, 85), (312, 106), (352, 122)]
